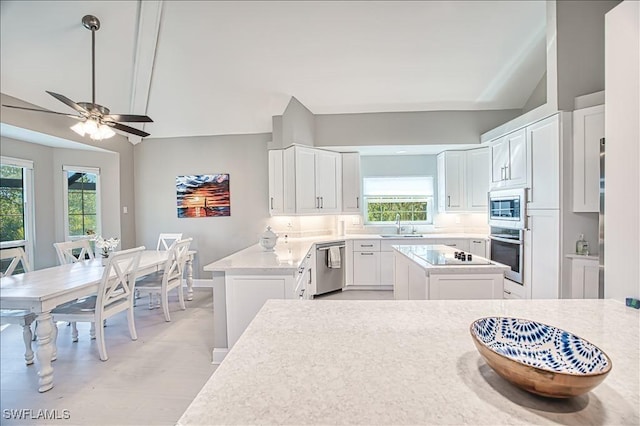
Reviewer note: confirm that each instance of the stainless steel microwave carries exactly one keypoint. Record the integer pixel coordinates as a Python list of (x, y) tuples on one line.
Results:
[(507, 208)]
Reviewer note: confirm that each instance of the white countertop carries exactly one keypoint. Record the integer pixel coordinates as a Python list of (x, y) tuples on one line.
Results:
[(408, 362), (581, 256), (415, 254), (288, 254)]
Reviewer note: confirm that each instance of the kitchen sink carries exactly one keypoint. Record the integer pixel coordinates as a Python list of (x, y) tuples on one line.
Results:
[(402, 236)]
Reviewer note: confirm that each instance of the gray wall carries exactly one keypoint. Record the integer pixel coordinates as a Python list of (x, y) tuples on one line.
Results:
[(580, 48), (407, 128), (48, 191), (538, 96), (159, 161)]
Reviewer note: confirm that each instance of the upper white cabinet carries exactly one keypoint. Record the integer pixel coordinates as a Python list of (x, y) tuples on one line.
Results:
[(509, 160), (478, 178), (304, 181), (463, 180), (588, 129), (276, 182), (318, 180), (451, 185), (543, 144), (351, 200)]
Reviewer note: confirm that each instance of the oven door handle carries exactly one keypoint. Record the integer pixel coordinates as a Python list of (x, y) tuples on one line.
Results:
[(505, 240)]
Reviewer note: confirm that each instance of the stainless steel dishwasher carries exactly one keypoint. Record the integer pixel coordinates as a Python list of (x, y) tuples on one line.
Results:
[(329, 278)]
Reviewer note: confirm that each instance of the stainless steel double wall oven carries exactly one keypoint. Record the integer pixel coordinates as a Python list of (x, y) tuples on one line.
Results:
[(507, 219)]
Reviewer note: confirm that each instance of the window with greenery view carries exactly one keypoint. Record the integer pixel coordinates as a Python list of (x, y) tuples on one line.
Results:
[(82, 202), (387, 197), (16, 204)]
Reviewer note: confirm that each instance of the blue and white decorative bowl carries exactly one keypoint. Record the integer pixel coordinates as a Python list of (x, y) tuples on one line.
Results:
[(540, 358)]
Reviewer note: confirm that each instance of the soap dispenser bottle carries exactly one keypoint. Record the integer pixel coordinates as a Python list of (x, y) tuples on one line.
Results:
[(582, 246)]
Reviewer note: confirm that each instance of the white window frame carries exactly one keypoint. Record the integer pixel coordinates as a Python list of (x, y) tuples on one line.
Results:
[(65, 195), (429, 198), (29, 207)]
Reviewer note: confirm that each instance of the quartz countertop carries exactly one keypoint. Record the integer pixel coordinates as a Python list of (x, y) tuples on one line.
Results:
[(420, 253), (408, 362), (289, 253)]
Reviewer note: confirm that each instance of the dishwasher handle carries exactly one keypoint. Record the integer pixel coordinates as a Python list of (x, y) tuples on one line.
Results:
[(327, 248)]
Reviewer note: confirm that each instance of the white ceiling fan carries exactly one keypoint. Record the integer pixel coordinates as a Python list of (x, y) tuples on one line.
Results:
[(96, 121)]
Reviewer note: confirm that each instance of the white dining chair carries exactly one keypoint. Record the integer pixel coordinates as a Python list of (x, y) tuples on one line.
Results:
[(165, 240), (115, 295), (16, 256), (170, 278), (67, 250)]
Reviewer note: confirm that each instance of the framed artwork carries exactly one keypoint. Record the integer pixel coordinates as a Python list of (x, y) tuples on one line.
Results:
[(203, 195)]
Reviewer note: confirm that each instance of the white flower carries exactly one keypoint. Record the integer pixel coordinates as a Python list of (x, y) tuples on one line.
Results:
[(106, 245)]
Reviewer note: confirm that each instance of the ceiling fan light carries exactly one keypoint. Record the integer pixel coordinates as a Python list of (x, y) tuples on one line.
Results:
[(91, 127), (79, 128), (105, 132)]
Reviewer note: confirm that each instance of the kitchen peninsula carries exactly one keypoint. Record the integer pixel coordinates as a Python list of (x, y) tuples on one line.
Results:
[(438, 272), (408, 362)]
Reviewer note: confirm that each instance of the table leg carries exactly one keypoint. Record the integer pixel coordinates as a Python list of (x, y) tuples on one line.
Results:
[(189, 278), (45, 350)]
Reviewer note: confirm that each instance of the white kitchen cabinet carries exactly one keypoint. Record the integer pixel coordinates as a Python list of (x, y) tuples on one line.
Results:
[(351, 183), (584, 277), (478, 177), (478, 247), (276, 182), (461, 244), (588, 129), (543, 146), (542, 254), (366, 268), (509, 160), (513, 290), (386, 267), (464, 287), (451, 185), (317, 181)]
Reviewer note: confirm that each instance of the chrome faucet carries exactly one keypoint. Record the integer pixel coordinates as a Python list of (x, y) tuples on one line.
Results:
[(398, 227)]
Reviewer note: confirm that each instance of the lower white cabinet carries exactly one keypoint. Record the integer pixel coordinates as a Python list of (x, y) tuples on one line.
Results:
[(466, 287), (366, 268), (513, 290), (245, 295), (542, 254), (386, 267), (478, 247), (584, 277)]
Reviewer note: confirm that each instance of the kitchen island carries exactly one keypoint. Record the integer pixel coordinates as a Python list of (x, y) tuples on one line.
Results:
[(435, 272), (408, 362)]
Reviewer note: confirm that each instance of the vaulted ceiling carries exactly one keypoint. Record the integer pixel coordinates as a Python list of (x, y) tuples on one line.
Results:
[(226, 67)]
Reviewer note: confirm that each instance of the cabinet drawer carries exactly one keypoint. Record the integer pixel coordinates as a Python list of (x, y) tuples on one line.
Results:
[(366, 245), (513, 290)]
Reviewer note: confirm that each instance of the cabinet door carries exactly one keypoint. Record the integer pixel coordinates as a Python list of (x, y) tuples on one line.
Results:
[(451, 175), (366, 268), (588, 129), (542, 255), (499, 159), (351, 182), (584, 279), (516, 171), (328, 182), (543, 141), (306, 199), (276, 182), (386, 268), (478, 179), (478, 247)]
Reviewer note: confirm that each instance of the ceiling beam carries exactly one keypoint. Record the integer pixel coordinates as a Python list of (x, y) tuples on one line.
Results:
[(150, 14)]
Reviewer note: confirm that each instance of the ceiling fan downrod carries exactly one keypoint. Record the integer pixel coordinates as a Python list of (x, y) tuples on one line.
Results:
[(92, 23)]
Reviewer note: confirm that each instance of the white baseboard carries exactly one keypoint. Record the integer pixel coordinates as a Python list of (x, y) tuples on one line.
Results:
[(202, 283), (218, 355), (367, 287)]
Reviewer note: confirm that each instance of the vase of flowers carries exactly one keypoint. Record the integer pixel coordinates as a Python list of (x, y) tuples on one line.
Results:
[(106, 246)]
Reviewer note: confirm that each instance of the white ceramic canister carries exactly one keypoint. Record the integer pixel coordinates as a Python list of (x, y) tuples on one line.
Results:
[(268, 239)]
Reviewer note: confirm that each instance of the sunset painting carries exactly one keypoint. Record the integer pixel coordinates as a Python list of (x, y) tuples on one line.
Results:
[(203, 195)]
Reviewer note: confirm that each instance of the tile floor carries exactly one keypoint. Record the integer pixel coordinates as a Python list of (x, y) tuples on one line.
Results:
[(147, 382)]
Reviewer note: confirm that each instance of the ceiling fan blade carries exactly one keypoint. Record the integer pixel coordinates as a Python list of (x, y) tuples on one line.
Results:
[(127, 129), (68, 102), (128, 118), (77, 117)]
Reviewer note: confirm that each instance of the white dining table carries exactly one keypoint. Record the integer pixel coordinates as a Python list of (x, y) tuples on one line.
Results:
[(42, 290)]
